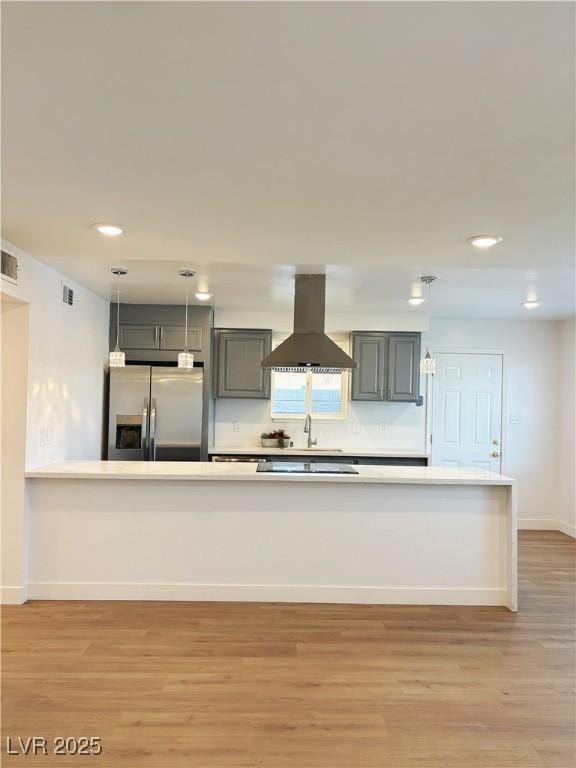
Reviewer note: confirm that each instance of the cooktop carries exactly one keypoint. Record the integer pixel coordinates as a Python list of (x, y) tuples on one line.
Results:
[(306, 467)]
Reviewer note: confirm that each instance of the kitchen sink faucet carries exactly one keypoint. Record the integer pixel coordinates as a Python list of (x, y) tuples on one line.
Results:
[(308, 430)]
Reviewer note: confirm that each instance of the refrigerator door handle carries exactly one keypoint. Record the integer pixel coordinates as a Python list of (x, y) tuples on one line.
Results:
[(153, 430), (145, 429)]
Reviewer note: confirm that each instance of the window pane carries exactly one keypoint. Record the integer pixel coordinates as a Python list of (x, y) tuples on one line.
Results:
[(289, 393), (327, 393)]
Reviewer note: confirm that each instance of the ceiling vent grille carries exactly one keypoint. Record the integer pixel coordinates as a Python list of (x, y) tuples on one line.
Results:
[(9, 267), (67, 295)]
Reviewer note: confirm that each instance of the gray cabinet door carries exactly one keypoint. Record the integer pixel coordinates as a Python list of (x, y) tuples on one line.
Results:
[(172, 337), (368, 377), (139, 337), (238, 357), (403, 367)]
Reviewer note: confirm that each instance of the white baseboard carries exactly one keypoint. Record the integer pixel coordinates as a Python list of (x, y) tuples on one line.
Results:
[(537, 524), (267, 593), (544, 524), (567, 528), (13, 595)]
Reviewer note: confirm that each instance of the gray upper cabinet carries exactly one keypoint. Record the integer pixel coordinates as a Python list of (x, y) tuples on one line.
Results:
[(139, 336), (238, 356), (403, 367), (154, 333), (388, 366), (368, 351), (173, 337)]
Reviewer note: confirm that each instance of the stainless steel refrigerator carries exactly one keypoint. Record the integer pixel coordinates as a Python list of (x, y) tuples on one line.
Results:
[(155, 414)]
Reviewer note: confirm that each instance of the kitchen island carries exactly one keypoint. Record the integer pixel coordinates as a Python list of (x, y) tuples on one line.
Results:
[(218, 531)]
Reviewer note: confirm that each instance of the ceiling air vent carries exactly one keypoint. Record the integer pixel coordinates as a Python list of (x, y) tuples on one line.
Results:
[(67, 295), (9, 267)]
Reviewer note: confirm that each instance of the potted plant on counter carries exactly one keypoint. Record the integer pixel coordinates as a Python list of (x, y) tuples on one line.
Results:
[(276, 439)]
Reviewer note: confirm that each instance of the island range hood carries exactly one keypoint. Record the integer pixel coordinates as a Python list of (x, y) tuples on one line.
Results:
[(308, 348)]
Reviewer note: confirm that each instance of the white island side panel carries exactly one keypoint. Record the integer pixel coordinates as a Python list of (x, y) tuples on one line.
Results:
[(297, 542)]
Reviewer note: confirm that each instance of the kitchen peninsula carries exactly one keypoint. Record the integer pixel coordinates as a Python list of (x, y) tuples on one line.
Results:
[(223, 531)]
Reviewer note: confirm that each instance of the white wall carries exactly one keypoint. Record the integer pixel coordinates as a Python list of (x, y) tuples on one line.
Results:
[(369, 426), (567, 427), (535, 360), (14, 376), (67, 353), (336, 322), (53, 360)]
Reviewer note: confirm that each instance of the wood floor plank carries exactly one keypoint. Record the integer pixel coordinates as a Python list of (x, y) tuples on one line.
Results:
[(220, 685)]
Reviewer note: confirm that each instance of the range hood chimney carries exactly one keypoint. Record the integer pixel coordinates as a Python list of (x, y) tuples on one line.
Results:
[(308, 348)]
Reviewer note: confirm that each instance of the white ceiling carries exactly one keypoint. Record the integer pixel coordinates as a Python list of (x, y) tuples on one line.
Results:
[(252, 139)]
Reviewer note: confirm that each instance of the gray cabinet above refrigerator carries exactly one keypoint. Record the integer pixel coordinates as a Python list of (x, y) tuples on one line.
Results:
[(155, 332)]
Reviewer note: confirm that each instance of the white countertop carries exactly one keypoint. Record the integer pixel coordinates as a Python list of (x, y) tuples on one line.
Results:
[(202, 471), (237, 450)]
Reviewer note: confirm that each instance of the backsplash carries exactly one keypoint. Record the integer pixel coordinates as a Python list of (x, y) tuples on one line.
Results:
[(368, 426)]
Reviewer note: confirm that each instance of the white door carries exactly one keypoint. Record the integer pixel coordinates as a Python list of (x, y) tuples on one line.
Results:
[(467, 411)]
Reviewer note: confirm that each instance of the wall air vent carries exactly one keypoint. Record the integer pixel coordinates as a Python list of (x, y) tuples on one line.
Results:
[(10, 267), (67, 295)]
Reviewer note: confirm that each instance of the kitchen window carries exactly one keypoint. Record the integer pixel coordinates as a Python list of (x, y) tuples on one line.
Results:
[(323, 395)]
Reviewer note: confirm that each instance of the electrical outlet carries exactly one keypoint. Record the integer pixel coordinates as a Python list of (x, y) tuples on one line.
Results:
[(236, 426), (515, 418), (42, 437), (382, 427), (354, 427)]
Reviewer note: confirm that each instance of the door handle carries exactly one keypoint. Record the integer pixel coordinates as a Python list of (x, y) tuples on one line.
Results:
[(153, 430), (145, 429), (495, 454)]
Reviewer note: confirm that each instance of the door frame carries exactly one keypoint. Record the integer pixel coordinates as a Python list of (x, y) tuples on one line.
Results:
[(434, 351)]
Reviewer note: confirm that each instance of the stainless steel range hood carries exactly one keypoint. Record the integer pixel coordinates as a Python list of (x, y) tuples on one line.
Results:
[(309, 347)]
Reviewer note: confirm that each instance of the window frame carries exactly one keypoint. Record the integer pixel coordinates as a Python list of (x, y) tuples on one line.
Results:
[(340, 416)]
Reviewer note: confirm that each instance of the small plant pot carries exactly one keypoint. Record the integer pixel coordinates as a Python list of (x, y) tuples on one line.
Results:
[(270, 443), (285, 442)]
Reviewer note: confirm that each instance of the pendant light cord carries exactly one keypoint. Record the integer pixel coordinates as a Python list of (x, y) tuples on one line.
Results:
[(186, 327), (118, 318)]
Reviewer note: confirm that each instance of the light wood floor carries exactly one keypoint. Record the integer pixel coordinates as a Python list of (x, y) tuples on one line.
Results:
[(303, 686)]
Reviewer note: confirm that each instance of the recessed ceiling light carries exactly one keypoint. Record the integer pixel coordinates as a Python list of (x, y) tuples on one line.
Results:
[(416, 300), (203, 295), (484, 241), (110, 230), (530, 304)]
